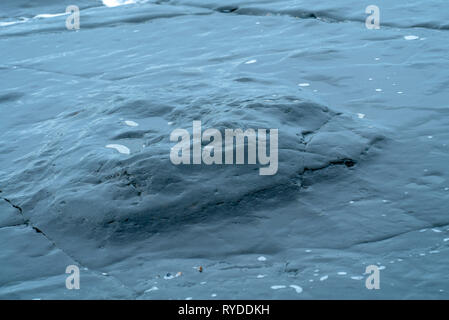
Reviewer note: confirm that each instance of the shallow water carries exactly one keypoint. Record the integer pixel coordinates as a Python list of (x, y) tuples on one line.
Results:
[(86, 179)]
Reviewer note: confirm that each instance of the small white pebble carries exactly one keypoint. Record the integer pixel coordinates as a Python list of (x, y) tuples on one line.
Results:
[(360, 115), (213, 295), (152, 289), (278, 287), (304, 84), (251, 61), (411, 37), (262, 258), (189, 298), (131, 123), (324, 278), (436, 230), (379, 90), (260, 276), (341, 273), (298, 289), (120, 148)]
